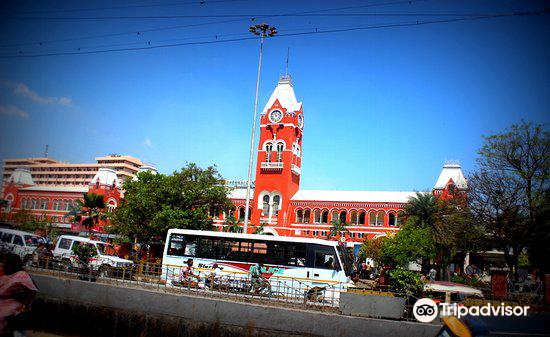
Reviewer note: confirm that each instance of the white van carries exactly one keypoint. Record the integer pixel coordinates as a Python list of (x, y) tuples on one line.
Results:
[(104, 261), (19, 242)]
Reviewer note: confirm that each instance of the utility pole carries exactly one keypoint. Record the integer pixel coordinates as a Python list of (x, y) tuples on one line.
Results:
[(262, 30)]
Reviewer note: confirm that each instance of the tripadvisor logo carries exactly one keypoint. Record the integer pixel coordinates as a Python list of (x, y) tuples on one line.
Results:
[(426, 310)]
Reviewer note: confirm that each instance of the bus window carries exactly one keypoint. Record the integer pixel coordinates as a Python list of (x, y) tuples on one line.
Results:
[(237, 250), (190, 245), (176, 245), (295, 254), (259, 252), (325, 257), (209, 248)]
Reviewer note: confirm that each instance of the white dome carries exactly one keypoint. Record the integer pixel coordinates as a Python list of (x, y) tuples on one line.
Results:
[(451, 170), (146, 168), (21, 176), (106, 176)]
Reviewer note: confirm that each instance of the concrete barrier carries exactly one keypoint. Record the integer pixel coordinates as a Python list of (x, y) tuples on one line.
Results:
[(199, 316), (367, 305)]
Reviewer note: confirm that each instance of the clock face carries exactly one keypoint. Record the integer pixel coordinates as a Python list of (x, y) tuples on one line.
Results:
[(300, 121), (275, 116)]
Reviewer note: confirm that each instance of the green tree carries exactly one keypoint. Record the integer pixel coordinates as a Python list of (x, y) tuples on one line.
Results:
[(372, 249), (259, 229), (406, 282), (421, 209), (509, 193), (337, 229), (154, 203), (410, 244)]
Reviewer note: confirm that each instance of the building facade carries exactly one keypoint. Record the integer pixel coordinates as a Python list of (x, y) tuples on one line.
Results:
[(52, 172), (283, 208)]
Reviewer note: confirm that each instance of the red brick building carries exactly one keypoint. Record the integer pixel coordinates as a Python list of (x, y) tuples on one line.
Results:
[(284, 209)]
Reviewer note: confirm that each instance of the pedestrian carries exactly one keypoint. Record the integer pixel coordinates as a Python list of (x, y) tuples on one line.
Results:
[(432, 274), (363, 271), (17, 291), (368, 270)]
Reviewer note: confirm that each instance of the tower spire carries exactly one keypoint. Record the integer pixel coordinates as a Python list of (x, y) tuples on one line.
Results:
[(287, 56)]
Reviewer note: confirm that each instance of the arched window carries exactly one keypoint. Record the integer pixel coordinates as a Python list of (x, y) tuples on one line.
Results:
[(372, 219), (307, 216), (334, 216), (380, 218), (280, 148), (324, 217), (268, 150), (299, 216), (241, 213), (34, 204), (362, 218), (265, 208), (391, 219), (276, 201), (353, 218), (317, 216), (25, 203), (342, 217)]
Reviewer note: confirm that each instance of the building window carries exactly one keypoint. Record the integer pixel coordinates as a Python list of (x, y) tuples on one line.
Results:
[(276, 201), (241, 213), (380, 218), (299, 216), (343, 216), (268, 150), (265, 208), (362, 218), (34, 204), (307, 216), (391, 219), (334, 216), (372, 219), (324, 217), (353, 218), (280, 148), (316, 216), (25, 203)]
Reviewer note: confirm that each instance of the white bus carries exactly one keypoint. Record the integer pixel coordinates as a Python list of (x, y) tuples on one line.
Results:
[(292, 265)]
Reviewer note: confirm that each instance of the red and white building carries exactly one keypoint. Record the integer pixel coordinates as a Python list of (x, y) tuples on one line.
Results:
[(284, 209)]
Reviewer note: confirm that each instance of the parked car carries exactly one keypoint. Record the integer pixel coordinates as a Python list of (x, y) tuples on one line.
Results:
[(105, 261), (450, 292), (19, 242)]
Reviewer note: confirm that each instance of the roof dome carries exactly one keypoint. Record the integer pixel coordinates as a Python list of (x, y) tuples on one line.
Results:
[(21, 176), (451, 170), (284, 92), (145, 168), (106, 176)]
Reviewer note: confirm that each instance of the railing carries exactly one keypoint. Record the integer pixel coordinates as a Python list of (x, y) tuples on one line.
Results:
[(240, 286), (266, 165)]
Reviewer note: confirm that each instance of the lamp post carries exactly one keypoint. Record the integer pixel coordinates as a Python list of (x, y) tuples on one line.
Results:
[(262, 30)]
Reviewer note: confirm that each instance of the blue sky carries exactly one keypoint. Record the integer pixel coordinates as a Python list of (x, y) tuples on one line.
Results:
[(384, 108)]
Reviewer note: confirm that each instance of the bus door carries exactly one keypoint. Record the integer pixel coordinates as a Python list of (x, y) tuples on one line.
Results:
[(325, 266)]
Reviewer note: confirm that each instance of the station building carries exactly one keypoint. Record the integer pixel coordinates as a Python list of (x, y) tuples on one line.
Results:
[(278, 203)]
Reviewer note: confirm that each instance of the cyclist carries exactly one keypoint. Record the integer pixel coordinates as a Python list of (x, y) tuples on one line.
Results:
[(259, 282)]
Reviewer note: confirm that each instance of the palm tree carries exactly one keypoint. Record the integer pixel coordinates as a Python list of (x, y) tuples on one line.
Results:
[(338, 229), (88, 212), (231, 225), (422, 208)]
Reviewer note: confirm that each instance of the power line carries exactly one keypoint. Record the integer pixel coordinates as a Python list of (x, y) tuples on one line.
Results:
[(140, 32), (172, 4), (241, 16), (316, 31)]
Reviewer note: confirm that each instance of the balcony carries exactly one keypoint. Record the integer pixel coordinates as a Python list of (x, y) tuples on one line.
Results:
[(296, 170), (273, 166)]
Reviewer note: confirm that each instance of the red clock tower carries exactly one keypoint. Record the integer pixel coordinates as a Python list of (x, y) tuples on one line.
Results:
[(278, 166)]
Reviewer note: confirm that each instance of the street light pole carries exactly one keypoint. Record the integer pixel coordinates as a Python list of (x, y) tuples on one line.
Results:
[(262, 30)]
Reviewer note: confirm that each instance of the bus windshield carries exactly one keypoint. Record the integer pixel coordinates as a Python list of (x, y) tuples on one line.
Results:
[(344, 256)]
